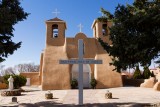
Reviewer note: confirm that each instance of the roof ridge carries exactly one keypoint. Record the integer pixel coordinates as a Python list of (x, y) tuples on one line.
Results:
[(55, 19)]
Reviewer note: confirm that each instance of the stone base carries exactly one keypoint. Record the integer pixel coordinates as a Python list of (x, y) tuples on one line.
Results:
[(49, 96), (15, 92), (108, 95)]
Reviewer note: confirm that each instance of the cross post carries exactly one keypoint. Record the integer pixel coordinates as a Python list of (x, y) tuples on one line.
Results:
[(80, 76), (56, 12), (80, 27), (80, 61)]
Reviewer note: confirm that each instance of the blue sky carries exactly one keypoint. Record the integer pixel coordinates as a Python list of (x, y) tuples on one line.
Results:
[(32, 32)]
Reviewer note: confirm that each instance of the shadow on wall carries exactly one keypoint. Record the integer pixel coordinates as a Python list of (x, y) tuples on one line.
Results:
[(132, 82), (101, 85)]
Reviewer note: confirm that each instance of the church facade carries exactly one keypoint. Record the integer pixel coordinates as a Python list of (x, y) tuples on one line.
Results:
[(58, 76)]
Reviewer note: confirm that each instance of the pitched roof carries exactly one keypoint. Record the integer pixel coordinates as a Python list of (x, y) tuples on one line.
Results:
[(55, 19)]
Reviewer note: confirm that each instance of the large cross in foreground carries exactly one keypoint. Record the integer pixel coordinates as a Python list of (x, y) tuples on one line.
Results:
[(80, 61)]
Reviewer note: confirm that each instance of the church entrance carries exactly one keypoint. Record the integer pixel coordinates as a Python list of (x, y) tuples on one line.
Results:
[(86, 74)]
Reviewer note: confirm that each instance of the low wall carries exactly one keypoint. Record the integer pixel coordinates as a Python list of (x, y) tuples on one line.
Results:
[(34, 77), (3, 86), (132, 82), (1, 79)]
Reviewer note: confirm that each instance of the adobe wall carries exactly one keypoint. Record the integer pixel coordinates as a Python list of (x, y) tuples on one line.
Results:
[(58, 76), (40, 68), (34, 77), (104, 74), (97, 30), (55, 75), (72, 46), (50, 40)]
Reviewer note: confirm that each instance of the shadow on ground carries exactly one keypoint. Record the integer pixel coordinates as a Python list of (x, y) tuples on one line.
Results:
[(54, 104)]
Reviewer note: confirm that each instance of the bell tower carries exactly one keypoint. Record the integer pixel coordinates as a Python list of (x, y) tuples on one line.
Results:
[(55, 34), (101, 30)]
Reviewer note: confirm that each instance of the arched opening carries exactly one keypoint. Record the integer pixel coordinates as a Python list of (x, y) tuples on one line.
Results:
[(104, 29), (86, 74), (55, 30)]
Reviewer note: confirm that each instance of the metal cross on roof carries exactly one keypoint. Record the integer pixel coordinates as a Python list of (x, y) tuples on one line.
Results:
[(80, 27), (56, 12)]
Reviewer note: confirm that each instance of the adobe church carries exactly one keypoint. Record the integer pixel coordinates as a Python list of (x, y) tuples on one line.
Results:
[(53, 75)]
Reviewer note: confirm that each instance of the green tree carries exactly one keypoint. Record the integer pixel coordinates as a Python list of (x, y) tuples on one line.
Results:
[(18, 82), (10, 14), (74, 83), (137, 73), (152, 74), (135, 35), (93, 83), (146, 73)]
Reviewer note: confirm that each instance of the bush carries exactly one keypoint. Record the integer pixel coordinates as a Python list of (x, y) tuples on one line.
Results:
[(74, 83), (146, 72), (1, 79), (137, 73), (93, 83), (152, 74), (19, 80)]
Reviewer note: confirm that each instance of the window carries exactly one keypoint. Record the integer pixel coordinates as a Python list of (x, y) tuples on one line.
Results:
[(83, 48), (95, 32), (104, 29), (55, 30)]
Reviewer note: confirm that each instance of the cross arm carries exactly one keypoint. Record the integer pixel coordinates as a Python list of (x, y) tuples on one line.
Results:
[(84, 61)]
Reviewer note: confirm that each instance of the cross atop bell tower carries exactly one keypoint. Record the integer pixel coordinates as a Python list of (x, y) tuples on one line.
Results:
[(56, 12)]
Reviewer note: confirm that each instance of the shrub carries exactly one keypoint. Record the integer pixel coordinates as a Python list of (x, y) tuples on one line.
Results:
[(74, 83), (1, 79), (137, 73), (19, 80), (93, 83), (152, 74), (146, 72)]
